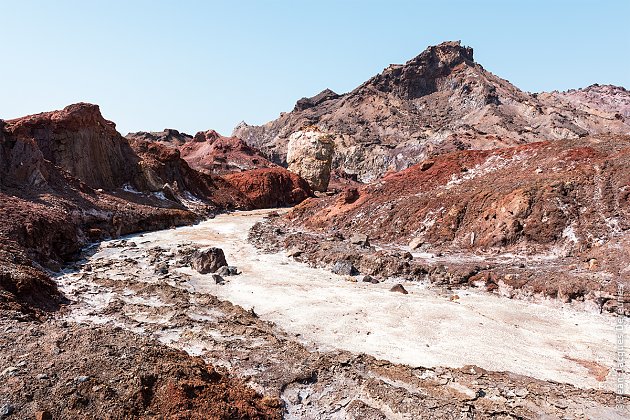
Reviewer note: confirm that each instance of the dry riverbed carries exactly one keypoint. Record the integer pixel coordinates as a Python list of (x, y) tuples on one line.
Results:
[(334, 348)]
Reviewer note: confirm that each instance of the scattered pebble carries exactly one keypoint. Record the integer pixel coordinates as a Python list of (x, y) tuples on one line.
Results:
[(10, 371), (6, 410), (43, 415), (399, 288), (521, 392)]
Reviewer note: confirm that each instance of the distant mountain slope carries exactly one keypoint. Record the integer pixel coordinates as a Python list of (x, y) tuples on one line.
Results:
[(612, 101), (440, 101)]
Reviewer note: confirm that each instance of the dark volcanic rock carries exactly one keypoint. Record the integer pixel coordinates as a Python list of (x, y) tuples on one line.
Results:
[(208, 260), (344, 268), (399, 288), (322, 96)]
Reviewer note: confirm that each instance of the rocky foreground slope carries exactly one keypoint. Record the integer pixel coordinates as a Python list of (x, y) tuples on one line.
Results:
[(68, 178), (270, 323), (440, 101)]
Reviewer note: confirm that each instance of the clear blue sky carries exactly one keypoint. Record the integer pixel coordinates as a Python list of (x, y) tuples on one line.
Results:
[(196, 65)]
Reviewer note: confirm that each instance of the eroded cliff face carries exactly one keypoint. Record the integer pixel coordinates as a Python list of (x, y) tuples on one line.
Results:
[(81, 141), (440, 101)]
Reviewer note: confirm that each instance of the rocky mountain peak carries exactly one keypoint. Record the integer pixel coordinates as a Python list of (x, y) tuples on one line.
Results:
[(419, 76), (437, 102), (324, 95), (449, 53)]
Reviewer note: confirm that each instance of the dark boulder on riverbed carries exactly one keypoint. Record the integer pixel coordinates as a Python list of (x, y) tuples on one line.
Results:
[(344, 268), (208, 260)]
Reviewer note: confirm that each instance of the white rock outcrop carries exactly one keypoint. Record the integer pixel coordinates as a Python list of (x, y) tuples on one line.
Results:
[(309, 155)]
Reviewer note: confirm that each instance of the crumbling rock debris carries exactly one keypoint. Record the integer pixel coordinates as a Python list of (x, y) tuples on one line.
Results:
[(360, 239), (228, 270)]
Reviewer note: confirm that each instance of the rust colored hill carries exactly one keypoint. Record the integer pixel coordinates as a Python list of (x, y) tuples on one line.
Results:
[(573, 194), (270, 187)]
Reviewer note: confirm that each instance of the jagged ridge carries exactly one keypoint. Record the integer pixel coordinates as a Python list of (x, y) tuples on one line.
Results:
[(440, 101)]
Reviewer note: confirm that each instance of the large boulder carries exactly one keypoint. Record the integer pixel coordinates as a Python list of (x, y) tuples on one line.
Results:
[(309, 155), (208, 260)]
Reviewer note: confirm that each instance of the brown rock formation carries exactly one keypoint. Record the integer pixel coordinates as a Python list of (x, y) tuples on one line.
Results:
[(270, 187), (164, 171), (81, 141), (438, 102)]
